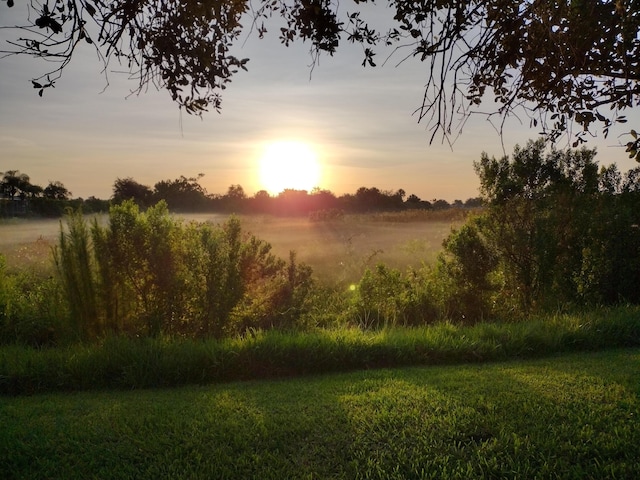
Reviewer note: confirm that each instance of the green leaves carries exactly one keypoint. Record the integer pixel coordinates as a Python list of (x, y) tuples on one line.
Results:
[(149, 274)]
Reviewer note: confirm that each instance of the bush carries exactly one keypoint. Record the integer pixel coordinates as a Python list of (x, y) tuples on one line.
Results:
[(385, 297), (147, 274), (468, 267), (32, 309), (563, 232)]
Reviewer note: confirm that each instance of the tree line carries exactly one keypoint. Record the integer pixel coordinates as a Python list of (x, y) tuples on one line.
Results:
[(18, 196), (187, 195)]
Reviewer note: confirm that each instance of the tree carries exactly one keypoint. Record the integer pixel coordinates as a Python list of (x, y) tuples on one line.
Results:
[(57, 191), (182, 193), (128, 189), (235, 198), (559, 63), (261, 202), (563, 228), (15, 183), (440, 204)]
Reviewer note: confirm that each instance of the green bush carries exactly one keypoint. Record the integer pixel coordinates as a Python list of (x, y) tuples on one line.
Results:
[(73, 260), (468, 266), (563, 232), (32, 309), (279, 301), (146, 273), (386, 297)]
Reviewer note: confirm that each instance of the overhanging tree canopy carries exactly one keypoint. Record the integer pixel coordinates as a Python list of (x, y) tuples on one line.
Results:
[(560, 63)]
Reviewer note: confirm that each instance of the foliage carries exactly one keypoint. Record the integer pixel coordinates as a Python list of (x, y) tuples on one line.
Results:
[(32, 309), (187, 195), (574, 61), (633, 146), (127, 363), (146, 273), (556, 232), (563, 230), (56, 191), (73, 261), (466, 268), (128, 189), (20, 197), (15, 184), (182, 194), (387, 298)]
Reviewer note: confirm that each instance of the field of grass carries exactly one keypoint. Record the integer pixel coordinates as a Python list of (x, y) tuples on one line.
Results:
[(340, 251), (571, 416), (337, 251)]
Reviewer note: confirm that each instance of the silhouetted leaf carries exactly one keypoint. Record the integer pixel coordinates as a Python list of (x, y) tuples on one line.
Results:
[(54, 25)]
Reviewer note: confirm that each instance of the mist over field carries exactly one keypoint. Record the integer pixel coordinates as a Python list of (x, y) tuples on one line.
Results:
[(337, 251)]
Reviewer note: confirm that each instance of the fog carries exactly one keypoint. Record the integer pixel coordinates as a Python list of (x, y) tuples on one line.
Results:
[(337, 251)]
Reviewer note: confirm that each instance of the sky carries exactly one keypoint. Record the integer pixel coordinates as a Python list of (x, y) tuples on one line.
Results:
[(89, 130)]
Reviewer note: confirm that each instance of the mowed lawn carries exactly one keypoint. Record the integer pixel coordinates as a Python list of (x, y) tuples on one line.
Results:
[(571, 416)]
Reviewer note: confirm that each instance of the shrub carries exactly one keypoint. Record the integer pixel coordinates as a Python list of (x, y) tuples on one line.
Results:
[(564, 232), (32, 310), (74, 262), (385, 297), (146, 273), (467, 265)]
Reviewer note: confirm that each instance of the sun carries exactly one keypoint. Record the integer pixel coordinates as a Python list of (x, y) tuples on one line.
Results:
[(289, 164)]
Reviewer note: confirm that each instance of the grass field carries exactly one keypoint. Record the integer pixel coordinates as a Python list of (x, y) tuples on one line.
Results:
[(338, 251), (572, 416)]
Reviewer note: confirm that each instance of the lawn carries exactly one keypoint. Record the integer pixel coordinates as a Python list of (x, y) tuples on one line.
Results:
[(569, 416)]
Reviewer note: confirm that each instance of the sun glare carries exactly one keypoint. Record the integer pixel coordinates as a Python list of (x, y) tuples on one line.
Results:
[(289, 164)]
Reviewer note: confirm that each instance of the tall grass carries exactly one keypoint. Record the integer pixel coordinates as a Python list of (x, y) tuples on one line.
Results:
[(74, 262), (141, 363)]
